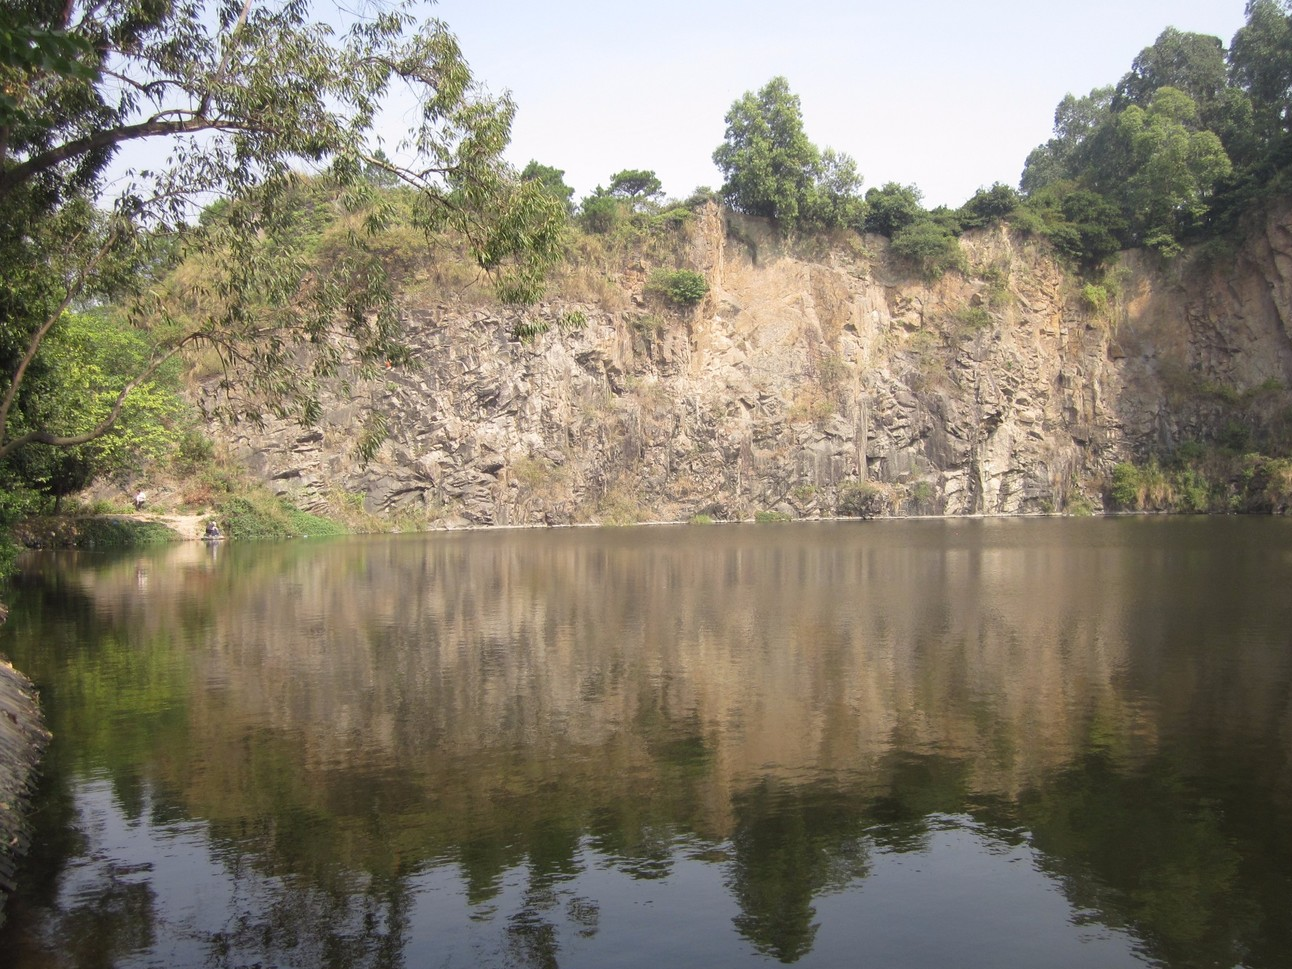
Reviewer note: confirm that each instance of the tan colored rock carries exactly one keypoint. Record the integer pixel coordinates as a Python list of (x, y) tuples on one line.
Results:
[(995, 391)]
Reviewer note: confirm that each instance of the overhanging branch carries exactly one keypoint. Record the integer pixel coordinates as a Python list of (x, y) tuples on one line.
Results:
[(152, 128)]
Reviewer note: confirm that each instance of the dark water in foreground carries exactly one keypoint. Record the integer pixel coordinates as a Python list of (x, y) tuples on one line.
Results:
[(943, 744)]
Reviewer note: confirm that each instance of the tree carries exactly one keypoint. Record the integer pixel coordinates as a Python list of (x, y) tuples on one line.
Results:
[(837, 199), (239, 99), (1083, 225), (768, 162), (600, 212), (892, 207), (989, 205), (636, 185), (25, 49), (773, 170), (1075, 121), (1194, 64), (86, 360), (1164, 168), (929, 246), (1260, 63), (552, 180)]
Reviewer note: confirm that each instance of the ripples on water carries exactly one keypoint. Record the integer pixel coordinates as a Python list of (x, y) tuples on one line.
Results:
[(1020, 743)]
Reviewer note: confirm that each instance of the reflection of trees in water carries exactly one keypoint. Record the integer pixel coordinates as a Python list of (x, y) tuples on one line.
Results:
[(1145, 848), (300, 925), (104, 927), (791, 845), (510, 708)]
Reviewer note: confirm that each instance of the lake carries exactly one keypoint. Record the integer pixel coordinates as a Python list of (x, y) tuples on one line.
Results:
[(941, 743)]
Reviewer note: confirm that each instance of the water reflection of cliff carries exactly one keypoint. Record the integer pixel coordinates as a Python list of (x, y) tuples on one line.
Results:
[(512, 699), (820, 657)]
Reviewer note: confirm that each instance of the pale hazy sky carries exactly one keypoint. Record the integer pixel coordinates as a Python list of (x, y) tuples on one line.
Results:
[(948, 94)]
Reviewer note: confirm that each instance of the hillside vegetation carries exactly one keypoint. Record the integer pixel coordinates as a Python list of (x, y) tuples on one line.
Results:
[(292, 295)]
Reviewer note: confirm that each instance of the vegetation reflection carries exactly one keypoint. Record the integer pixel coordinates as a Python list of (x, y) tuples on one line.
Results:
[(346, 720)]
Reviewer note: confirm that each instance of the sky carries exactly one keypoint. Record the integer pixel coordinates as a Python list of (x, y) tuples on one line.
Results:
[(950, 95)]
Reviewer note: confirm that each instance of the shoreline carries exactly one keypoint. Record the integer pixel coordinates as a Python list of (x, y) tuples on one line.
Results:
[(23, 739)]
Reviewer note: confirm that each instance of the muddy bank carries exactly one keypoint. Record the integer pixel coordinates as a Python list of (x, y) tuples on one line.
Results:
[(22, 741)]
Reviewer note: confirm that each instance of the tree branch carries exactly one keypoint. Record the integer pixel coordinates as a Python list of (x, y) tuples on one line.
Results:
[(153, 127)]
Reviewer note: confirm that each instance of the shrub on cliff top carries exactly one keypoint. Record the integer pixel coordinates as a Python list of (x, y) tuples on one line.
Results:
[(929, 246)]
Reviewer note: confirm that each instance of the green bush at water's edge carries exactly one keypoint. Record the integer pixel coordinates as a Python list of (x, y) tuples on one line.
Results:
[(249, 517), (1197, 481)]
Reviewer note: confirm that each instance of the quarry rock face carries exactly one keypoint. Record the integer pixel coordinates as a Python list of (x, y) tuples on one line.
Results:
[(815, 377)]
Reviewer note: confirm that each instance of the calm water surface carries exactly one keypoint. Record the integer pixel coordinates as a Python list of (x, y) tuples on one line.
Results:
[(944, 744)]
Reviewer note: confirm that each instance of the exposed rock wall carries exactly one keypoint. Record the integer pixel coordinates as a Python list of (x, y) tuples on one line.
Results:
[(810, 372)]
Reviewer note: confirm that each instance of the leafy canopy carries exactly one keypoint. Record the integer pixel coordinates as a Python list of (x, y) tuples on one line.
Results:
[(1190, 138), (636, 185), (771, 169), (552, 181), (236, 100)]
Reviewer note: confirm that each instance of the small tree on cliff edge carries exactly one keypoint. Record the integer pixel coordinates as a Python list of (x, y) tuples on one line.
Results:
[(234, 99), (773, 170), (767, 160)]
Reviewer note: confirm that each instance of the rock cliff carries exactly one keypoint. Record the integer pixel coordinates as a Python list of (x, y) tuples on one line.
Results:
[(815, 375)]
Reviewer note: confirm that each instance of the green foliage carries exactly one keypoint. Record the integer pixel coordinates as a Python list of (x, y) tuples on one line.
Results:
[(527, 329), (635, 185), (772, 517), (766, 157), (1186, 142), (260, 516), (552, 180), (193, 451), (703, 195), (862, 499), (1193, 483), (989, 206), (73, 386), (1126, 485), (1165, 168), (572, 321), (892, 207), (1192, 63), (600, 212), (1095, 297), (701, 519), (771, 169), (1078, 505), (1082, 225), (1076, 122), (928, 246), (836, 200), (685, 287), (922, 493), (974, 318), (252, 98), (1260, 64), (649, 324)]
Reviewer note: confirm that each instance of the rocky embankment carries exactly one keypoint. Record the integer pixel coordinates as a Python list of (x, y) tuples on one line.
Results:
[(811, 374), (22, 740)]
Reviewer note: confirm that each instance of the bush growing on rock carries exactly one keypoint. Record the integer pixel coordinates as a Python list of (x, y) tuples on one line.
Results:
[(685, 287), (929, 246), (862, 499)]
